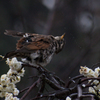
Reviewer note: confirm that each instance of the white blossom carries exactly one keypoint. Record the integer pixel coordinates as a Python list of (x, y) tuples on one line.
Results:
[(15, 98), (2, 94), (4, 79), (87, 71), (92, 73), (21, 72), (97, 71), (16, 91), (95, 82), (8, 81), (12, 85), (1, 87), (8, 96), (91, 90), (14, 64)]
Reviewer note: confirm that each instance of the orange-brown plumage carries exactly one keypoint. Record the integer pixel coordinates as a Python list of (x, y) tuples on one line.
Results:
[(41, 43)]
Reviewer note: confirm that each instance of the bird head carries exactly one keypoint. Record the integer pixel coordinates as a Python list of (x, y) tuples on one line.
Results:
[(60, 42)]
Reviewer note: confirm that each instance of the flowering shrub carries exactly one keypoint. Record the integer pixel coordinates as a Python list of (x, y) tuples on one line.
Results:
[(8, 81), (95, 83), (9, 91)]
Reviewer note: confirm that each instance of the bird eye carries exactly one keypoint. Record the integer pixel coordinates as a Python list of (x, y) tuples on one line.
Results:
[(61, 42)]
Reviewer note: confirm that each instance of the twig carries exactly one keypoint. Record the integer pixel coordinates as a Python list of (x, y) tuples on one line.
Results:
[(46, 77), (24, 89), (31, 87), (42, 86), (53, 85), (72, 79)]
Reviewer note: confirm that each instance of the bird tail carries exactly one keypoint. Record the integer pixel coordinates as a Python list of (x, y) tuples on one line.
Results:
[(10, 54), (14, 33), (16, 53)]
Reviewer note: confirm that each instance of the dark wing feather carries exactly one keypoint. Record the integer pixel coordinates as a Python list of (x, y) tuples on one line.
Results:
[(17, 53), (37, 44), (10, 54), (25, 48), (15, 33)]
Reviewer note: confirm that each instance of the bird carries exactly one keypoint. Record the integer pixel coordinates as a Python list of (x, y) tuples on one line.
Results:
[(35, 49)]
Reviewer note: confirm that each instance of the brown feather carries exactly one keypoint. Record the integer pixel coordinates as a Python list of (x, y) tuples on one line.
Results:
[(18, 53), (10, 54), (15, 33), (36, 44), (19, 45)]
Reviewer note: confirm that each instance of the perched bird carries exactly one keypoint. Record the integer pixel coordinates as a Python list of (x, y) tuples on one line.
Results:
[(35, 49)]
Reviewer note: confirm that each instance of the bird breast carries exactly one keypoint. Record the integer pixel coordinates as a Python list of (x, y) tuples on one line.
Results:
[(42, 57)]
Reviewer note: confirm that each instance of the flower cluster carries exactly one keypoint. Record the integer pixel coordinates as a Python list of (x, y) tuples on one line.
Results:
[(89, 72), (94, 83), (8, 81)]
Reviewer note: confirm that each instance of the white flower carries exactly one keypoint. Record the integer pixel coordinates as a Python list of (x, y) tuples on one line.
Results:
[(16, 91), (8, 81), (12, 73), (68, 98), (97, 72), (9, 73), (4, 79), (11, 85), (1, 87), (8, 96), (87, 72), (18, 78), (90, 73), (91, 90), (98, 86), (2, 94), (95, 82), (8, 89), (8, 61), (15, 79), (21, 72), (15, 98), (14, 64)]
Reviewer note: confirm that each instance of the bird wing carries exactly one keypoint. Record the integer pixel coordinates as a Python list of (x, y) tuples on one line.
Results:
[(31, 43), (16, 33), (24, 48), (28, 44)]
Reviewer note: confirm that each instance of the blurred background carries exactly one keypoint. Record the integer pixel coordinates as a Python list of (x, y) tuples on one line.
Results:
[(79, 19)]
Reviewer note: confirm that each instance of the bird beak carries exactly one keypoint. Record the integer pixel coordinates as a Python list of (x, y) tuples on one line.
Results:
[(62, 36)]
